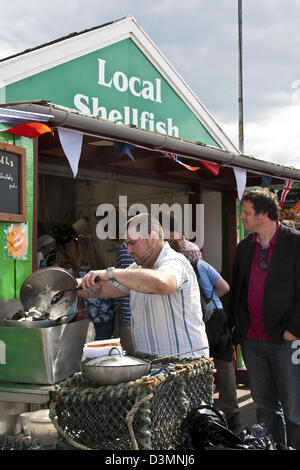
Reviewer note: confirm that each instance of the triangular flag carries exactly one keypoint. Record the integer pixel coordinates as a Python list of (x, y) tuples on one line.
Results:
[(214, 168), (286, 188), (241, 178), (266, 181), (175, 158), (30, 130), (71, 142), (122, 148)]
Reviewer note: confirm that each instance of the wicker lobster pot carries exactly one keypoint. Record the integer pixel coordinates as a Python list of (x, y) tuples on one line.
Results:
[(143, 414)]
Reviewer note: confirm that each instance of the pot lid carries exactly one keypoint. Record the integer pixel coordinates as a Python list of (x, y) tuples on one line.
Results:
[(39, 288), (115, 361)]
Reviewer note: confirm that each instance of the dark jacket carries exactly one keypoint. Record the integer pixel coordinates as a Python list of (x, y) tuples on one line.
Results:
[(281, 304)]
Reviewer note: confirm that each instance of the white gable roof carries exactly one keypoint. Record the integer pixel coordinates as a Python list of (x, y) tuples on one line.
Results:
[(39, 59)]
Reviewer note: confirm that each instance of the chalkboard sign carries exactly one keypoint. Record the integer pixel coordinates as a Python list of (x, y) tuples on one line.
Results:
[(12, 183)]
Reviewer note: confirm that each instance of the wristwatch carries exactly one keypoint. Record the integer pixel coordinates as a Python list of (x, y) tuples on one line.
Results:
[(110, 272)]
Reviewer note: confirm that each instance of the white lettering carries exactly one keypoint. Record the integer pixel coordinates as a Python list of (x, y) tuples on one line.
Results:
[(172, 128), (142, 119), (83, 108), (175, 459), (148, 91), (166, 211), (135, 117), (116, 460), (188, 231), (158, 90), (115, 115), (161, 127), (126, 115), (151, 122), (132, 81), (120, 81), (295, 358), (109, 221), (106, 227), (101, 74), (98, 109)]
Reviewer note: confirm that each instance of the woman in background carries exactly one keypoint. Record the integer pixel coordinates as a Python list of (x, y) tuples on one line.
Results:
[(85, 257)]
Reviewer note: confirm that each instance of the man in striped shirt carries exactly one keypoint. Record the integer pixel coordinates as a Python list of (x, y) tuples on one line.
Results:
[(123, 261), (166, 315)]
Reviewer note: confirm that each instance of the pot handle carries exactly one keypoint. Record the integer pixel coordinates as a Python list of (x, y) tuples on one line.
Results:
[(111, 349)]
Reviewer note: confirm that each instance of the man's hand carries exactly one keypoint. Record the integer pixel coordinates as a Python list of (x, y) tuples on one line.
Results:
[(88, 281), (288, 336)]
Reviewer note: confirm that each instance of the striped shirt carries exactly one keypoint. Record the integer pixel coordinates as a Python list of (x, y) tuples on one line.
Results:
[(168, 324), (123, 261)]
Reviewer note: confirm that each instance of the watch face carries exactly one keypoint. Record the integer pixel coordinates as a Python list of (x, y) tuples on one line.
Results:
[(110, 272)]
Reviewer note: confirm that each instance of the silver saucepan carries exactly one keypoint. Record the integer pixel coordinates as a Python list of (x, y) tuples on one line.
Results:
[(112, 370)]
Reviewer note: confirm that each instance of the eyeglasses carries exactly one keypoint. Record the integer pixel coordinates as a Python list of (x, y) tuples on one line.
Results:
[(263, 264)]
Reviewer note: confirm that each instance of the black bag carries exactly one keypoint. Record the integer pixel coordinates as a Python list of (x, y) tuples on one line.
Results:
[(218, 334), (204, 428), (216, 325)]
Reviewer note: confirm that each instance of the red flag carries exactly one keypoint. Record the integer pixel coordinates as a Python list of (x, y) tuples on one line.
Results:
[(214, 168), (175, 158), (30, 129), (286, 188)]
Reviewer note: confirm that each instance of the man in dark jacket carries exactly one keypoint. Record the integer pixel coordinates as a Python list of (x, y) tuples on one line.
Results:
[(265, 312)]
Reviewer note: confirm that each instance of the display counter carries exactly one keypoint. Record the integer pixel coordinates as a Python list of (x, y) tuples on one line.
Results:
[(24, 393)]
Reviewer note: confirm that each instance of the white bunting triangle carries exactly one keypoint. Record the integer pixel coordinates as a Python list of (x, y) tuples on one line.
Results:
[(71, 142)]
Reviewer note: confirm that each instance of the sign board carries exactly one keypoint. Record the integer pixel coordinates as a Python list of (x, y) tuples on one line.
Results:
[(118, 84), (12, 183)]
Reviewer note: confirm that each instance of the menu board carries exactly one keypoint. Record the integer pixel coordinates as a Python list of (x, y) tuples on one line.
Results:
[(12, 183)]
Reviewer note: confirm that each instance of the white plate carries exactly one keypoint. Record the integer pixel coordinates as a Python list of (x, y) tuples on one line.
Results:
[(102, 348)]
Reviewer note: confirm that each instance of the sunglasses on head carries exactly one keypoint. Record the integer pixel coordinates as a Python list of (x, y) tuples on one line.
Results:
[(263, 259)]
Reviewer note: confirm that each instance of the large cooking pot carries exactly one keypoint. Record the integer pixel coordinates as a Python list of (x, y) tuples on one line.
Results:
[(37, 291), (112, 370)]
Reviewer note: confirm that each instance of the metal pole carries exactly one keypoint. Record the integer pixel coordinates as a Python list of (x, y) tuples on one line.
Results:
[(240, 99)]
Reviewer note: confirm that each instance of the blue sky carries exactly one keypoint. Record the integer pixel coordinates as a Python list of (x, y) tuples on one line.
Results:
[(200, 39)]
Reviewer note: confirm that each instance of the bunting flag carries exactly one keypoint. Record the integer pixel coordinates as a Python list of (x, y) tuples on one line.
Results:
[(286, 188), (266, 181), (71, 142), (30, 130), (241, 178), (175, 158), (24, 123), (214, 168), (122, 148)]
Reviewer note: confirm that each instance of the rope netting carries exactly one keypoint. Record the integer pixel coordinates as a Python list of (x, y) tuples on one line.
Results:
[(143, 414)]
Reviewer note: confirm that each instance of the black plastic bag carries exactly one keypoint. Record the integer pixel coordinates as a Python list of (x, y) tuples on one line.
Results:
[(204, 428), (258, 437)]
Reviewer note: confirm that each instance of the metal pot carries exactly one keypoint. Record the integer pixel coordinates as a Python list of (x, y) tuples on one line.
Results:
[(38, 289), (112, 370)]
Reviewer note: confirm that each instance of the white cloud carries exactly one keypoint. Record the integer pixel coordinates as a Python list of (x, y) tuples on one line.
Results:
[(273, 137)]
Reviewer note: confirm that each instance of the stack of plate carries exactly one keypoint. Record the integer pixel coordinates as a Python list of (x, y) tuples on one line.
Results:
[(106, 347)]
